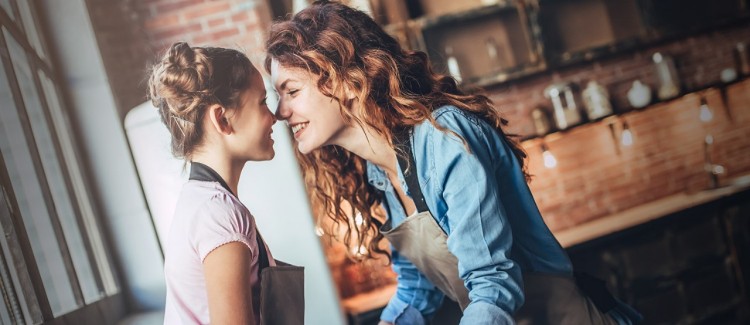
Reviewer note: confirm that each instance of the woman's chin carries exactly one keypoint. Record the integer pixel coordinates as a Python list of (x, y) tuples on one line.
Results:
[(304, 147)]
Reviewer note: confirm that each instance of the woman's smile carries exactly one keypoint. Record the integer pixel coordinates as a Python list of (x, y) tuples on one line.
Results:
[(298, 128)]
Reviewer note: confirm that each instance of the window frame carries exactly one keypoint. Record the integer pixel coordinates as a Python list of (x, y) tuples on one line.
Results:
[(21, 265)]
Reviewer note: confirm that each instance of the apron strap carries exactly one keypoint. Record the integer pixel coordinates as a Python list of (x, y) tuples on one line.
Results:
[(201, 172), (263, 261), (402, 141)]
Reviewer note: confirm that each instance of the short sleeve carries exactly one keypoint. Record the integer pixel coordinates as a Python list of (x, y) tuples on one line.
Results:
[(222, 220)]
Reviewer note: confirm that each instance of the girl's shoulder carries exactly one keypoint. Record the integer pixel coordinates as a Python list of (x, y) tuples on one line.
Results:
[(212, 203)]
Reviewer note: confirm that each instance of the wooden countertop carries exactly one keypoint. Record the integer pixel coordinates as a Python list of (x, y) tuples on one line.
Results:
[(368, 301), (646, 212)]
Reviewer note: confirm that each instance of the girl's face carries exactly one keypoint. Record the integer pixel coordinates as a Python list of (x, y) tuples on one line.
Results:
[(251, 124), (315, 119)]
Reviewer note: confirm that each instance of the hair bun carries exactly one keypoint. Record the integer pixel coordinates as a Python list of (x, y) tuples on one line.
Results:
[(181, 55)]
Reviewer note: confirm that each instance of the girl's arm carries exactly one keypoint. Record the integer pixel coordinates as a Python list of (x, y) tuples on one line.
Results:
[(227, 272)]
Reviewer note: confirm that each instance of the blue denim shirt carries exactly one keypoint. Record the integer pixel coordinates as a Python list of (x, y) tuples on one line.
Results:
[(481, 200)]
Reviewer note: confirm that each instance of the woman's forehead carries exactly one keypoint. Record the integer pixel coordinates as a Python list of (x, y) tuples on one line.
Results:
[(281, 75)]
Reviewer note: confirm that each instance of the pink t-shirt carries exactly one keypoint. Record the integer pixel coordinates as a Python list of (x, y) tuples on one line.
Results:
[(207, 216)]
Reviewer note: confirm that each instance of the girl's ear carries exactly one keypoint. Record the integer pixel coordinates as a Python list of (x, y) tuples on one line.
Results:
[(217, 116)]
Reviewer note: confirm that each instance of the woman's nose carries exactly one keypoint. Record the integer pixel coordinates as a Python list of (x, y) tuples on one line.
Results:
[(282, 111)]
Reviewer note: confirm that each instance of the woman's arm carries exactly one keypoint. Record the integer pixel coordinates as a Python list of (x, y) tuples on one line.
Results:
[(415, 298), (227, 272), (480, 236)]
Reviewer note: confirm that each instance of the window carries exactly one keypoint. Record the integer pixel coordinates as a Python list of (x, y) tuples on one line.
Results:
[(53, 257)]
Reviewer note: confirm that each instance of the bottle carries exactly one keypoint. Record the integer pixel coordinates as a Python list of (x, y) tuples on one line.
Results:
[(565, 110), (542, 124), (669, 83), (493, 53), (743, 61), (452, 64)]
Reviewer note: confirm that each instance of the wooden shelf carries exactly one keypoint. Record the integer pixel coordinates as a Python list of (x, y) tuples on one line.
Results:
[(721, 86)]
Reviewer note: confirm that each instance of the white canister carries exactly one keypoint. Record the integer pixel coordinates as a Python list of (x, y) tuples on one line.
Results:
[(639, 94), (596, 99)]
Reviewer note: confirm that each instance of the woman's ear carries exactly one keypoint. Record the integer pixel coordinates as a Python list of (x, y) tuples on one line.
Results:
[(349, 92), (217, 116)]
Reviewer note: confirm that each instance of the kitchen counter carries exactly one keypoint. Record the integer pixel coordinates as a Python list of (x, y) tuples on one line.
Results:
[(647, 212), (369, 301)]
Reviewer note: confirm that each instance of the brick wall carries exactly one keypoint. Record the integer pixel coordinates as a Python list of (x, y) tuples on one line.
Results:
[(594, 177), (133, 33), (591, 180), (124, 49)]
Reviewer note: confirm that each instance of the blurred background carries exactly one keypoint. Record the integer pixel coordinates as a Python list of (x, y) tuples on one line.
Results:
[(635, 115)]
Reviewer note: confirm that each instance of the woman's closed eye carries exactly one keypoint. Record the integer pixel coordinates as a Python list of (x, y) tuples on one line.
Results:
[(292, 92)]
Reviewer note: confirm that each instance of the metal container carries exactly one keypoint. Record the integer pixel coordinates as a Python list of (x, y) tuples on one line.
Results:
[(564, 107), (596, 99)]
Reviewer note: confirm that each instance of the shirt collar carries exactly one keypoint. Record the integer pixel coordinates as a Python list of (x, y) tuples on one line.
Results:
[(376, 176), (201, 172)]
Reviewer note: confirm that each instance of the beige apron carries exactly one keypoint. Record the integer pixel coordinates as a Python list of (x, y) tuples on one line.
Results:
[(549, 299)]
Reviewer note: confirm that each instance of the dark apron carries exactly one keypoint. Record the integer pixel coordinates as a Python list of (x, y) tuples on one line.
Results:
[(282, 294), (549, 299), (282, 291)]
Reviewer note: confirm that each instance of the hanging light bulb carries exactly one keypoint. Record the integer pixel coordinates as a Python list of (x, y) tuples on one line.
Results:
[(549, 158), (626, 138), (706, 114)]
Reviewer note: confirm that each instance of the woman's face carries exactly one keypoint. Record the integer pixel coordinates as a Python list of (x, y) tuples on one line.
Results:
[(315, 119), (251, 123)]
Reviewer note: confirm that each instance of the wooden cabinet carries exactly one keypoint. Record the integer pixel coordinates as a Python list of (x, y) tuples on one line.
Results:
[(688, 267), (490, 44), (488, 41), (679, 17), (575, 29), (494, 41)]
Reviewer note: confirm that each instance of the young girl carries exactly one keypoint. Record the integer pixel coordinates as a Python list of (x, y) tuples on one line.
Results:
[(462, 222), (213, 102)]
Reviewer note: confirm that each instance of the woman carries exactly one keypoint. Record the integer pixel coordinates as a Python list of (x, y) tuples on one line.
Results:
[(213, 102), (462, 223)]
